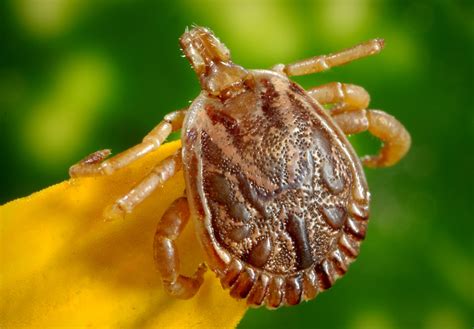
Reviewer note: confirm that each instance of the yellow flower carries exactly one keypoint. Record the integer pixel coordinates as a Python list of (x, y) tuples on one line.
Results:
[(62, 265)]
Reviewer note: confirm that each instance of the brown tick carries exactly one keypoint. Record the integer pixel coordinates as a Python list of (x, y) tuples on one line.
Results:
[(278, 196)]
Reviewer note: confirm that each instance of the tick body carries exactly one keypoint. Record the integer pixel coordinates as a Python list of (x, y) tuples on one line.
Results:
[(278, 196)]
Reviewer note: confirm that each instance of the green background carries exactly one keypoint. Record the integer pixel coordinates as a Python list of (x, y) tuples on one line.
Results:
[(77, 76)]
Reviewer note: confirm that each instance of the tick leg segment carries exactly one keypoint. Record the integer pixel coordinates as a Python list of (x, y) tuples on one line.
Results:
[(396, 139), (349, 112), (157, 177), (96, 163), (343, 96), (166, 255), (325, 62)]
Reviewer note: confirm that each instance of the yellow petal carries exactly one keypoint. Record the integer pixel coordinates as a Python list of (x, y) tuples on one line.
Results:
[(62, 265)]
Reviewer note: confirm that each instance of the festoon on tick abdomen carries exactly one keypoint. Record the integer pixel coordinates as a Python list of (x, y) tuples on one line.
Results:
[(278, 196)]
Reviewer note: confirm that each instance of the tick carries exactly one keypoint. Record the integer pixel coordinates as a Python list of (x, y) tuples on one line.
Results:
[(278, 195)]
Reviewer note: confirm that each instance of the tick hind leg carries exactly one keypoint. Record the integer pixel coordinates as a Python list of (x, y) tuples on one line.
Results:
[(349, 103), (396, 139), (166, 256), (96, 163), (157, 177), (325, 62)]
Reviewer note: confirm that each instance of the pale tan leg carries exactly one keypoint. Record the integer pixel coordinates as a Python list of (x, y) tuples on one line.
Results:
[(325, 62), (396, 139), (95, 163), (349, 112), (166, 255), (343, 96), (157, 177)]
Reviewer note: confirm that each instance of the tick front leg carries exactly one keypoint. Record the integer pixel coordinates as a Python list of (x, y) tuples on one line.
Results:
[(157, 177), (96, 163), (325, 62), (342, 96), (166, 255), (396, 139)]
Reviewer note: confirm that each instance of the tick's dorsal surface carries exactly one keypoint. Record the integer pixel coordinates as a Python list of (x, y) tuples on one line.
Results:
[(275, 184), (279, 197)]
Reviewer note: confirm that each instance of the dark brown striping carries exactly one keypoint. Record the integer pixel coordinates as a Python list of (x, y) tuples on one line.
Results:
[(294, 289), (259, 254), (252, 195), (210, 151), (333, 183), (221, 191), (220, 188), (243, 284), (259, 290), (297, 229), (239, 233), (272, 114), (268, 96), (238, 211), (296, 89), (296, 105), (275, 292), (220, 117), (232, 273), (334, 216), (323, 277)]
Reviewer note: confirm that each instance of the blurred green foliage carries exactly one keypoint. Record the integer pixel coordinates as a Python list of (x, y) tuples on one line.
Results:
[(77, 76)]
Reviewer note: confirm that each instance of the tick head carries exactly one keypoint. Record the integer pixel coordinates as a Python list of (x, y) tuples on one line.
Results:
[(202, 48), (211, 61)]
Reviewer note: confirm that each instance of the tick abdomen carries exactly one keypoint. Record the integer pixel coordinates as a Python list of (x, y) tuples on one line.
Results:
[(278, 181)]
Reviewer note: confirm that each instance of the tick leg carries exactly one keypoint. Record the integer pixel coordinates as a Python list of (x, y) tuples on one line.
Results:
[(157, 177), (96, 163), (325, 62), (343, 96), (166, 255), (396, 139), (349, 111)]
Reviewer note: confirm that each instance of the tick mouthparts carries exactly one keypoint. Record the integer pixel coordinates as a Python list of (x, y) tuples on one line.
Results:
[(211, 61), (202, 48)]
